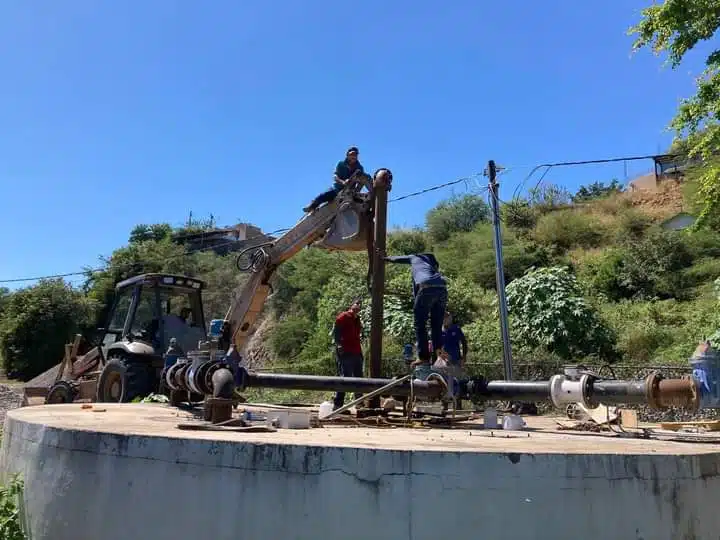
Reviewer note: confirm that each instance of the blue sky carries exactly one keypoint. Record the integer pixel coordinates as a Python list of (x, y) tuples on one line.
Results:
[(118, 113)]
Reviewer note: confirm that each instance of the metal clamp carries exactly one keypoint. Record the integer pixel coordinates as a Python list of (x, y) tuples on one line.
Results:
[(564, 391)]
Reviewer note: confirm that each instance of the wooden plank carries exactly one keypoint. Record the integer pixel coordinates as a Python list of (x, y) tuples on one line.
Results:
[(710, 425), (628, 418)]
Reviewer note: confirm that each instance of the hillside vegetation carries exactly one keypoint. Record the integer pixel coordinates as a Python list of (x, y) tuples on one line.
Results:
[(590, 277)]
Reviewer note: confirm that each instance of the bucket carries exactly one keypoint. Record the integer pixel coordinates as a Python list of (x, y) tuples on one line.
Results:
[(326, 408), (490, 419), (513, 422), (290, 419)]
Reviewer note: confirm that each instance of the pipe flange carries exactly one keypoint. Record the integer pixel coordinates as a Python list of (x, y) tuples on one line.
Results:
[(201, 379), (170, 375), (586, 385), (190, 379), (652, 386)]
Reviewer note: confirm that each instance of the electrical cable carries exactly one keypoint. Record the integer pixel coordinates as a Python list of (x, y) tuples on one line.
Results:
[(230, 242)]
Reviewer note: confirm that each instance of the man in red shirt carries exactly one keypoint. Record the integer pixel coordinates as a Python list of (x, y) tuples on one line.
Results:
[(348, 349)]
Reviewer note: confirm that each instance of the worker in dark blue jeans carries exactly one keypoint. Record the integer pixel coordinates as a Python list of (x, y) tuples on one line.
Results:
[(343, 172), (430, 300)]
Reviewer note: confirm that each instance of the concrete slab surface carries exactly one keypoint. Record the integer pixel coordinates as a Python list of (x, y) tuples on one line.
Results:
[(540, 436)]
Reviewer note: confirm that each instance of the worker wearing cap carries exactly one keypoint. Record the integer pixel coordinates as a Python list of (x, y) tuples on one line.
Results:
[(347, 332), (430, 300), (344, 170)]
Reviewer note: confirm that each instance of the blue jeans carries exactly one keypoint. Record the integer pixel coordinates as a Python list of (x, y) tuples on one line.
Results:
[(430, 303), (348, 365), (326, 196)]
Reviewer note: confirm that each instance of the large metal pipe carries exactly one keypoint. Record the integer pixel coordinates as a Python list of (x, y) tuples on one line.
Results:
[(616, 392), (432, 389), (518, 390)]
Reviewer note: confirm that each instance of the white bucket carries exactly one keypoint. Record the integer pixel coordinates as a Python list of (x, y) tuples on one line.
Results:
[(290, 419), (513, 422), (326, 408)]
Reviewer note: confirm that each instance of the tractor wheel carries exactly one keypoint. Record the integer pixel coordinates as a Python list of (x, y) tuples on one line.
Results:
[(61, 392), (122, 380)]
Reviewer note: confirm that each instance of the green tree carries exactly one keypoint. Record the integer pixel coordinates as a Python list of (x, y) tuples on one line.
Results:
[(407, 242), (548, 310), (597, 190), (143, 233), (36, 324), (457, 214), (675, 27)]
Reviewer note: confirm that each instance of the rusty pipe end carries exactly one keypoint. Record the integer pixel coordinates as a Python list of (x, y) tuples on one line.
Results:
[(664, 393), (383, 179)]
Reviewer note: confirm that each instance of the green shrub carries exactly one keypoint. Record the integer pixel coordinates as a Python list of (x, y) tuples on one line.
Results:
[(566, 229), (289, 336), (518, 214), (407, 242), (11, 527), (472, 255), (660, 332), (457, 214), (652, 266), (548, 310), (602, 274), (632, 224)]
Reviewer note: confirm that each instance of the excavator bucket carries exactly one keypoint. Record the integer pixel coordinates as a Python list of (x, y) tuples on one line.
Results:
[(349, 230)]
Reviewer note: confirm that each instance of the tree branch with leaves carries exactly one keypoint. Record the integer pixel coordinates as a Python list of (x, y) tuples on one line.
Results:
[(675, 27)]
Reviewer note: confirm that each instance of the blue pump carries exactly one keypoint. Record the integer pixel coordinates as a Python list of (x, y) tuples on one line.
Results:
[(706, 373)]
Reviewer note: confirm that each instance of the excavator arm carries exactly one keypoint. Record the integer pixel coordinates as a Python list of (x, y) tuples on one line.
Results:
[(345, 224)]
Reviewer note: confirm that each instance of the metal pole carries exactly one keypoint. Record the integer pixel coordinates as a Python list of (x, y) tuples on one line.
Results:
[(499, 271), (381, 183)]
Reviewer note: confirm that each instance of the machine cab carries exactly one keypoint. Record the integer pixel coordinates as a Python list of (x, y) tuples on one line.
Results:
[(152, 308)]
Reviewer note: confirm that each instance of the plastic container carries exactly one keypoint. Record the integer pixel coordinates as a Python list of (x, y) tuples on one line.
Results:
[(326, 407), (290, 419), (490, 418), (513, 422), (216, 327)]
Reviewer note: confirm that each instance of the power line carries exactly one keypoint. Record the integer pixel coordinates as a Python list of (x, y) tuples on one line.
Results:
[(573, 163), (434, 188), (136, 263)]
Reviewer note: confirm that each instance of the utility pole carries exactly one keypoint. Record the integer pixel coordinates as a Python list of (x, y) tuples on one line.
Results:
[(494, 188), (382, 183)]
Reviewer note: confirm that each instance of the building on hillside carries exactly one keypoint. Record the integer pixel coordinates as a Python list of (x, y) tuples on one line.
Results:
[(678, 222), (224, 241), (666, 167)]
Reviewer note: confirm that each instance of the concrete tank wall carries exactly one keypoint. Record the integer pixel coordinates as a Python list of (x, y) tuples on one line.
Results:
[(88, 485)]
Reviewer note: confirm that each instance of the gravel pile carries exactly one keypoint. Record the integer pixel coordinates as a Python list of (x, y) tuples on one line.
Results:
[(10, 398)]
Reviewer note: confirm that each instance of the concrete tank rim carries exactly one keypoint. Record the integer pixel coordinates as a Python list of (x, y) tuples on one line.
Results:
[(157, 421)]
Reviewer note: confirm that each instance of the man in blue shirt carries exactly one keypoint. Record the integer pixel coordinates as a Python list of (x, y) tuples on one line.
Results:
[(453, 340), (430, 300), (343, 171)]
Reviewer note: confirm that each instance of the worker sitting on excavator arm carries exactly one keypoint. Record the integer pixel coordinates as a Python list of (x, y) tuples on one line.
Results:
[(344, 170)]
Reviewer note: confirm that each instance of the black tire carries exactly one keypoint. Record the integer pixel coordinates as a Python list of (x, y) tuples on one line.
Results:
[(61, 392), (122, 380)]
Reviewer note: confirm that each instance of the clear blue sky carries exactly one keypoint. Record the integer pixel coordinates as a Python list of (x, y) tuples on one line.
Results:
[(117, 113)]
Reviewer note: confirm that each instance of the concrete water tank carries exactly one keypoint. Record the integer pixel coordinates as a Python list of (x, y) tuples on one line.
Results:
[(125, 471)]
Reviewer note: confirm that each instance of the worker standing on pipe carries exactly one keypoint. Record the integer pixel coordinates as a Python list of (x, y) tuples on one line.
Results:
[(344, 170), (430, 300), (349, 357)]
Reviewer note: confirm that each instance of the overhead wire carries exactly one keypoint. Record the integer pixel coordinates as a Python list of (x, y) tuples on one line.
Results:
[(88, 271)]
